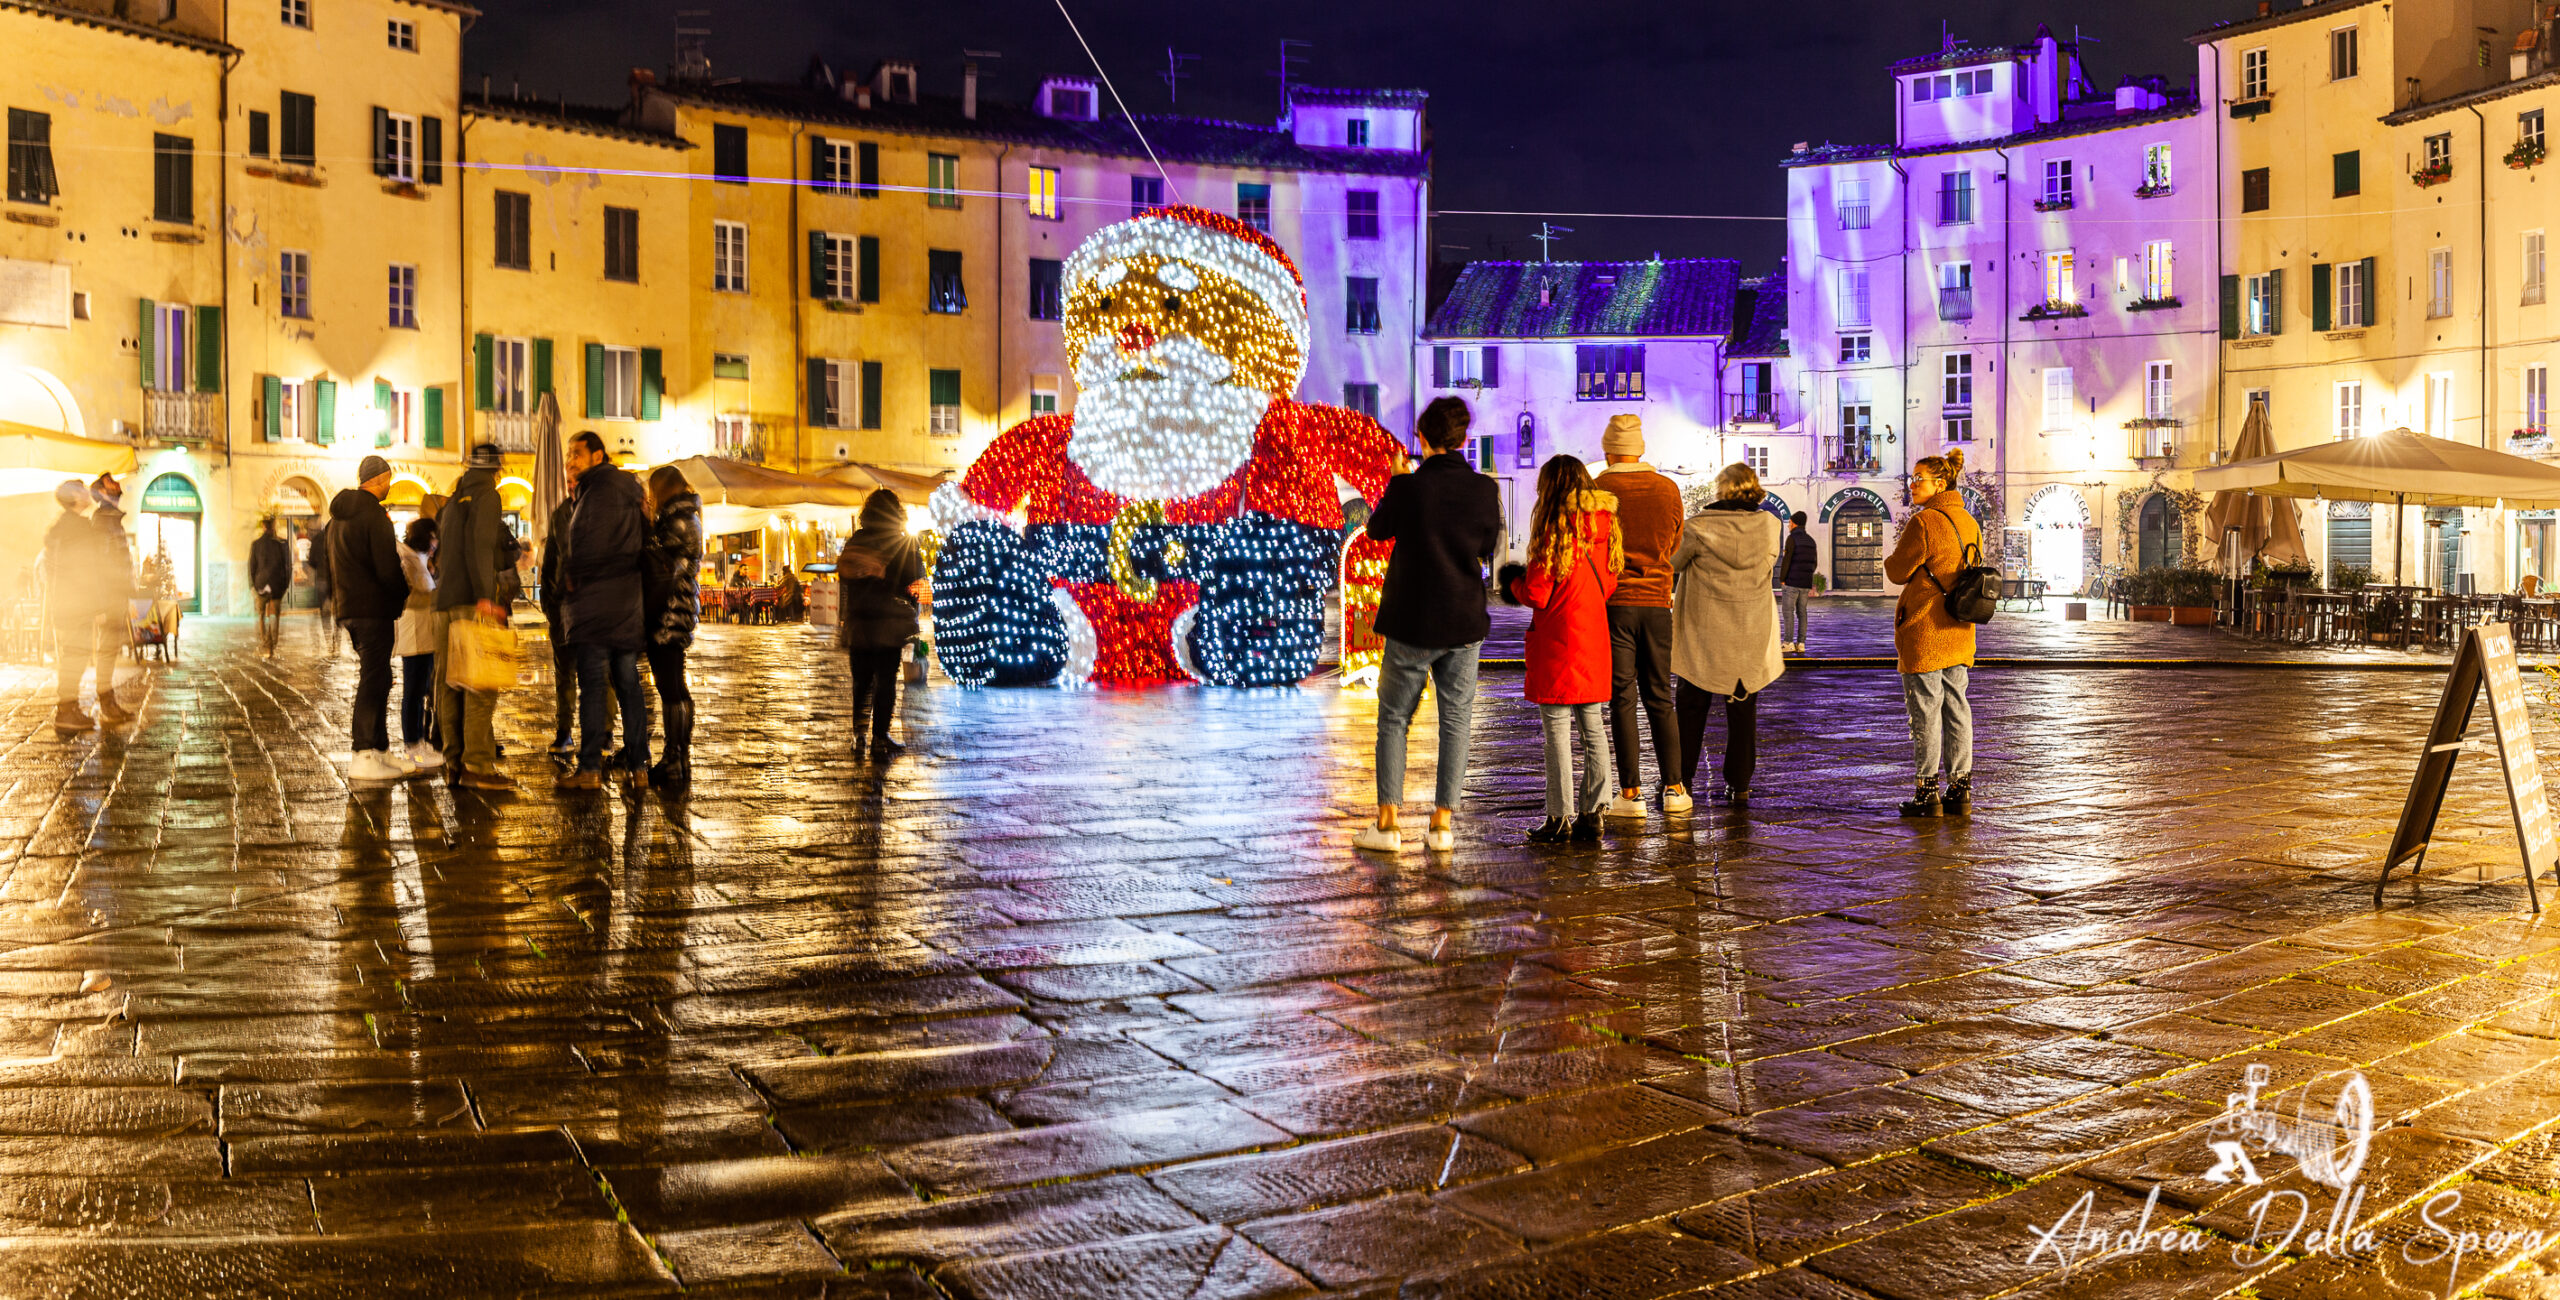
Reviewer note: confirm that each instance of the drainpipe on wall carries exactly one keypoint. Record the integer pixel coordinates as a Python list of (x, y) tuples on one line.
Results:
[(2008, 272), (2221, 449), (799, 291), (1001, 277), (2482, 166), (1910, 350), (222, 246), (1422, 255)]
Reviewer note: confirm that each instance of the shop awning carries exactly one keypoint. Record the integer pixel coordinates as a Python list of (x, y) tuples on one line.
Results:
[(2398, 467), (912, 488), (24, 446), (726, 482)]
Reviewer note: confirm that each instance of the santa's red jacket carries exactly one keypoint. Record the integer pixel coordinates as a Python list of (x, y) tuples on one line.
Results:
[(1299, 449)]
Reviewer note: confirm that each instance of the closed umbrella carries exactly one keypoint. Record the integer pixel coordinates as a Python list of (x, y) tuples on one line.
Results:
[(550, 464), (2268, 527), (2399, 468)]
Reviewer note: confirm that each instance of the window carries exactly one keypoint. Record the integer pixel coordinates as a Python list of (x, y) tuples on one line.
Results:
[(866, 182), (31, 176), (831, 165), (620, 383), (1042, 193), (285, 418), (1465, 367), (1360, 214), (1851, 302), (1362, 398), (1606, 372), (1955, 198), (622, 244), (1758, 399), (2159, 391), (261, 134), (1355, 133), (2529, 129), (2533, 267), (942, 180), (1857, 424), (1360, 304), (2253, 190), (404, 297), (2253, 74), (2059, 290), (2059, 398), (173, 178), (299, 129), (944, 293), (1757, 457), (2346, 174), (2350, 407), (832, 267), (1849, 203), (734, 435), (835, 393), (2439, 282), (728, 257), (2537, 399), (1955, 291), (1857, 349), (297, 13), (2440, 405), (2158, 261), (397, 409), (293, 284), (2354, 301), (1958, 394), (944, 418), (396, 156), (404, 36), (1974, 81), (170, 355), (511, 377), (514, 221), (1074, 103), (2440, 152), (1044, 394), (2057, 183), (2265, 304), (728, 365), (2342, 54), (1048, 294), (2155, 169), (729, 154), (1253, 205), (1146, 192)]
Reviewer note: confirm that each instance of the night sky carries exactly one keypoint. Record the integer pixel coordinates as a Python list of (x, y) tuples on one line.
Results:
[(1589, 106)]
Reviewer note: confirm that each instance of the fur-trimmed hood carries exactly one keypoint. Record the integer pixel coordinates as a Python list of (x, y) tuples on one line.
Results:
[(1561, 551)]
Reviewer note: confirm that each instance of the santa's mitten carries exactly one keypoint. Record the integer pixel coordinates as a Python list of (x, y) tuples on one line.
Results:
[(994, 623), (1260, 620)]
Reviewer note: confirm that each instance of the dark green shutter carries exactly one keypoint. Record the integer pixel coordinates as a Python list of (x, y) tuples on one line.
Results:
[(945, 385), (867, 158), (2275, 301), (817, 264), (431, 150), (652, 383), (1492, 371), (871, 394), (819, 173), (2372, 295), (209, 346), (2321, 290), (382, 404), (595, 381), (868, 259), (434, 417), (484, 383), (324, 412), (142, 342), (541, 366), (818, 394), (382, 142), (2346, 174), (271, 420), (2231, 306)]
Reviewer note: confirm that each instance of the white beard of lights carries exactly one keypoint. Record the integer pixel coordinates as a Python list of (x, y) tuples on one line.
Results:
[(1168, 437)]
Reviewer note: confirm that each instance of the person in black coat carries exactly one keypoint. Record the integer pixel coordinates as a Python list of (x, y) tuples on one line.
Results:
[(671, 597), (600, 561), (1446, 520), (371, 589), (270, 575), (1796, 565), (876, 610), (564, 666)]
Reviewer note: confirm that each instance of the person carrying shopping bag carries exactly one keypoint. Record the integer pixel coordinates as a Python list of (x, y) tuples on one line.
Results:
[(1725, 627), (1574, 558)]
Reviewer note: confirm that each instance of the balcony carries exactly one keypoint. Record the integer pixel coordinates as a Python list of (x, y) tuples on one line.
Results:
[(2054, 311), (2055, 203), (512, 433), (1852, 465), (2154, 441), (180, 417), (2529, 442), (1751, 407), (1853, 216), (1955, 303), (1851, 455)]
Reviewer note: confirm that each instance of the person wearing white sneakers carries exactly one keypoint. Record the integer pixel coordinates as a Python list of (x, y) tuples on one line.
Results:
[(413, 639), (1727, 640), (1640, 632), (371, 589)]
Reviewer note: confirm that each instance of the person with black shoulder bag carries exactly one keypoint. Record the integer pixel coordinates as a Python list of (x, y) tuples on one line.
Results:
[(1938, 562)]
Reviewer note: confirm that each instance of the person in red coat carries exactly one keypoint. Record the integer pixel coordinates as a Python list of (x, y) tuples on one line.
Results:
[(1574, 557)]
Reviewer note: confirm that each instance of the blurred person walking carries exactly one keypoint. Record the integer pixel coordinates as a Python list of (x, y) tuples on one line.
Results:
[(876, 572), (270, 576), (86, 634), (671, 595), (413, 639)]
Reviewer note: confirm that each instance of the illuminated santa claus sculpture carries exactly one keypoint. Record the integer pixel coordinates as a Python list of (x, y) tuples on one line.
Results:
[(1187, 520)]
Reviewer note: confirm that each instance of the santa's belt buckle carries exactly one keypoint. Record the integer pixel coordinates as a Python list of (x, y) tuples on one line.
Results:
[(1143, 549)]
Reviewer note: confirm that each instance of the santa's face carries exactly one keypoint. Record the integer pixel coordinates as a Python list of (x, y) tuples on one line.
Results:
[(1175, 366)]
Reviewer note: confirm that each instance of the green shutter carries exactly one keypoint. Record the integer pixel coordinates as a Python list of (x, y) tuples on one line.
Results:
[(2275, 301), (271, 420), (652, 383), (484, 384), (595, 381), (2321, 282), (209, 348), (2231, 306), (382, 403), (868, 260), (150, 315), (817, 264), (818, 394), (946, 387), (871, 394), (2372, 295), (324, 412), (431, 150), (434, 417), (382, 142), (541, 366)]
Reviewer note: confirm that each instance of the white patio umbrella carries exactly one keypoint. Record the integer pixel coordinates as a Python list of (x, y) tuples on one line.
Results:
[(2399, 468)]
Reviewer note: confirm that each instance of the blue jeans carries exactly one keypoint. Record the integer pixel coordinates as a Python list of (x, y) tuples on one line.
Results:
[(1453, 681), (595, 715), (1941, 722), (1559, 722), (1791, 601)]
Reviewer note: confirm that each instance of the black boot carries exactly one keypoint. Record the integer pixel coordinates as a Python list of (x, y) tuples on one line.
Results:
[(1555, 830), (1586, 828), (1924, 803), (675, 770), (1959, 797)]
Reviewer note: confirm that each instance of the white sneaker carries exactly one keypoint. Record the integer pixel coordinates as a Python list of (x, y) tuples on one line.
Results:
[(375, 765), (1622, 806), (1441, 841), (1378, 839), (426, 756), (1676, 800)]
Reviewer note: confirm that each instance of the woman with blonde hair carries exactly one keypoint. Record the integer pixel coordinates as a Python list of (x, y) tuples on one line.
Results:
[(1574, 558), (1724, 638), (1932, 647)]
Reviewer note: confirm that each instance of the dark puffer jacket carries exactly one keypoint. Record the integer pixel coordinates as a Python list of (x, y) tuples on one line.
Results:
[(879, 563), (365, 575), (600, 561), (672, 579)]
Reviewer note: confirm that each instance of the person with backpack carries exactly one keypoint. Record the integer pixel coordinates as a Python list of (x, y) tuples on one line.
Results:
[(1724, 636), (1796, 567), (1575, 556), (1936, 556)]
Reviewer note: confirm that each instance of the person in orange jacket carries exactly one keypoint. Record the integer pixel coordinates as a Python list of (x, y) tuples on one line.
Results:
[(1574, 557)]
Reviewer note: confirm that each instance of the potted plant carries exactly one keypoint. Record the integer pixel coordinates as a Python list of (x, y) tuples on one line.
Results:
[(2145, 595), (2190, 593), (2348, 577), (2526, 154), (2432, 174)]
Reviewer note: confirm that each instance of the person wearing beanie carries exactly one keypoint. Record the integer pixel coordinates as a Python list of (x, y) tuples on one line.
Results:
[(1649, 516), (73, 568), (371, 589), (473, 547)]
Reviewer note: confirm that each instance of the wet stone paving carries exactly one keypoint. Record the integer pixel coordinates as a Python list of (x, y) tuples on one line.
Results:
[(1086, 995)]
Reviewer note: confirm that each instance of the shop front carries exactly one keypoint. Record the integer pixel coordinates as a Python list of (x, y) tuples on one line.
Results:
[(169, 537)]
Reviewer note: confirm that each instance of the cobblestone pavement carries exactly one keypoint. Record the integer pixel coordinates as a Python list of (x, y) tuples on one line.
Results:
[(1087, 996)]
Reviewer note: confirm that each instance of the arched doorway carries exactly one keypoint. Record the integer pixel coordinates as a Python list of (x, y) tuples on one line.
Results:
[(1857, 518), (2160, 542), (2057, 526), (171, 524)]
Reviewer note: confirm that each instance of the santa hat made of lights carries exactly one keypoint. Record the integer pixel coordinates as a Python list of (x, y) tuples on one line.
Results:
[(1208, 241)]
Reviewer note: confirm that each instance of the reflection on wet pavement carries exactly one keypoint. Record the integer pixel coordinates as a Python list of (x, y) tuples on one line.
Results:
[(1087, 995)]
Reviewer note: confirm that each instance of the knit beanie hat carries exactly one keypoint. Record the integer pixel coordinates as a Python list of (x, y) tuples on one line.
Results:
[(1624, 436)]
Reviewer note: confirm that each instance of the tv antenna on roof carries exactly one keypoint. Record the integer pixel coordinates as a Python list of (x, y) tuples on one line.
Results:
[(693, 54), (1548, 233), (1287, 57), (1173, 73)]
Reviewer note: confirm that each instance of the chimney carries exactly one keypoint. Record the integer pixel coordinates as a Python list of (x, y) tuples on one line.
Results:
[(2266, 7), (969, 90), (642, 81)]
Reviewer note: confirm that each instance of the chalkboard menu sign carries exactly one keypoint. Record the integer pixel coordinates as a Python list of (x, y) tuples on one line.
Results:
[(2487, 657)]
